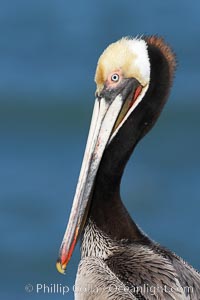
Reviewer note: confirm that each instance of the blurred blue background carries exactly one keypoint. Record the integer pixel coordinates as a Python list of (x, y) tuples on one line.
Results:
[(48, 55)]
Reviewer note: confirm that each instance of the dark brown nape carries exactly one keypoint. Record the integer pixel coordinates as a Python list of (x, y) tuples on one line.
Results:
[(107, 209), (155, 42), (163, 65)]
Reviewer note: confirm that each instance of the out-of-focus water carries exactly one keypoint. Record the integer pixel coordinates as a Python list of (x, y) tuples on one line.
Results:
[(48, 55)]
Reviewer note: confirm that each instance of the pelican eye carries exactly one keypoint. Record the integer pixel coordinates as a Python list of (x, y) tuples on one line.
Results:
[(115, 77)]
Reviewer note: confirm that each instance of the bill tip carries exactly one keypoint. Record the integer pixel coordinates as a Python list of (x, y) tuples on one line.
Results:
[(60, 268)]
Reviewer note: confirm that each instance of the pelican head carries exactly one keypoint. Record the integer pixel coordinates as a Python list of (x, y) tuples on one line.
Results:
[(125, 79)]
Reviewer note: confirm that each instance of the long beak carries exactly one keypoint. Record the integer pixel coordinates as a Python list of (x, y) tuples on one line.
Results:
[(107, 116)]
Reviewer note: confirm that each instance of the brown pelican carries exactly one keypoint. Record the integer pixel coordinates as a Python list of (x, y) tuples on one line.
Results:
[(118, 261)]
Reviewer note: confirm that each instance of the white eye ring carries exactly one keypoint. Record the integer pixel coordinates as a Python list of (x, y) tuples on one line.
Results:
[(115, 77)]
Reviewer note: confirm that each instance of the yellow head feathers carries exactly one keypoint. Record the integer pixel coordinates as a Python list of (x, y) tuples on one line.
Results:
[(129, 56)]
